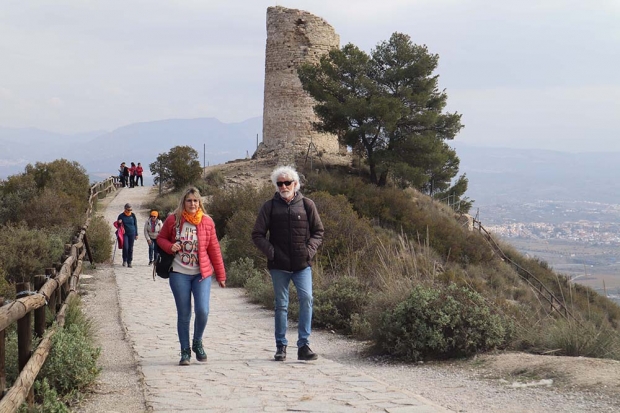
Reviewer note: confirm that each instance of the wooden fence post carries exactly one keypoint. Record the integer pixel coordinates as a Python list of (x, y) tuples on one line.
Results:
[(24, 340), (51, 273), (88, 251), (2, 357), (39, 313)]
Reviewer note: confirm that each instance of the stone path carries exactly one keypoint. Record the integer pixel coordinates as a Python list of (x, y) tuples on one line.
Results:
[(240, 375)]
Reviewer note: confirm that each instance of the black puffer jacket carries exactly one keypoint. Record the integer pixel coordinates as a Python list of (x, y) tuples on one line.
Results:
[(295, 232)]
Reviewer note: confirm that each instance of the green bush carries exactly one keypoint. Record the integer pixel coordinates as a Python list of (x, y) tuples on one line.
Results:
[(239, 243), (224, 203), (260, 290), (98, 235), (72, 363), (335, 306), (238, 273), (26, 252), (47, 400), (439, 323)]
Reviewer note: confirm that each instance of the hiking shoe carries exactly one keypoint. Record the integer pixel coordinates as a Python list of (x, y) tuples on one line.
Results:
[(124, 263), (186, 355), (128, 265), (201, 355), (304, 353), (280, 353)]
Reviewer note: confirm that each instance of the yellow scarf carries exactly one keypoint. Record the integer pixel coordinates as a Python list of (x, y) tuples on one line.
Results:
[(194, 219)]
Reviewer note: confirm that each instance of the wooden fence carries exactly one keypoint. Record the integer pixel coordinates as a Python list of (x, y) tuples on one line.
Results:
[(52, 291)]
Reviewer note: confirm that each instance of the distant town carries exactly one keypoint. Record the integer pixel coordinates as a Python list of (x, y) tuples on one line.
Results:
[(577, 239), (584, 222)]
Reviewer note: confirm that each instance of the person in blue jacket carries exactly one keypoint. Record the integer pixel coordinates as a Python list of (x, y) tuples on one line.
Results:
[(130, 224)]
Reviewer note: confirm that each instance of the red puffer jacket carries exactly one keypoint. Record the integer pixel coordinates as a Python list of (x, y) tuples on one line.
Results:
[(209, 253)]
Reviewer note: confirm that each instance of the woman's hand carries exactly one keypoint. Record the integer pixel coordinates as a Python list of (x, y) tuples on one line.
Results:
[(176, 247), (222, 283)]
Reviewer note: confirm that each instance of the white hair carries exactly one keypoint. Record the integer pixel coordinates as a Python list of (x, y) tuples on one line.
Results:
[(286, 172)]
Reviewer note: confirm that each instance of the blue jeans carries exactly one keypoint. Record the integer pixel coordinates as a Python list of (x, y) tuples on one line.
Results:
[(128, 247), (153, 253), (183, 286), (303, 283)]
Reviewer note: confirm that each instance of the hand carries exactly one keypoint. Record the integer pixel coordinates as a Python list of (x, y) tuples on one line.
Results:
[(136, 237), (148, 241), (120, 221), (176, 247), (222, 283)]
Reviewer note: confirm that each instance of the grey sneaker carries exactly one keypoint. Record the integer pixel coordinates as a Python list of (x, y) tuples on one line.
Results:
[(124, 263), (186, 355), (280, 353)]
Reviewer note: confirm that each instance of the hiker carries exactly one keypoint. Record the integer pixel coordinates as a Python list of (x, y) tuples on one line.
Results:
[(189, 235), (139, 170), (130, 223), (121, 174), (125, 180), (295, 233), (152, 227), (132, 175)]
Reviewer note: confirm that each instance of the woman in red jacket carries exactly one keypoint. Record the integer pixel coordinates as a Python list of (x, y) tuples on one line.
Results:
[(189, 234)]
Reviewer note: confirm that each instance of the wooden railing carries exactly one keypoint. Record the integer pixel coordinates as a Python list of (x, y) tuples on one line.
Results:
[(52, 291)]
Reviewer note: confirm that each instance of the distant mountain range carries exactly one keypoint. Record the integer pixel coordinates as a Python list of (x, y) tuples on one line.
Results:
[(102, 152), (496, 175), (505, 176)]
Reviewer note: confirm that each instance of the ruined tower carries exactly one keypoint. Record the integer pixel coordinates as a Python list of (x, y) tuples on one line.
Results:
[(293, 37)]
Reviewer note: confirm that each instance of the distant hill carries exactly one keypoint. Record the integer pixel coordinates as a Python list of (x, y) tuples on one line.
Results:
[(102, 152), (496, 175), (516, 176)]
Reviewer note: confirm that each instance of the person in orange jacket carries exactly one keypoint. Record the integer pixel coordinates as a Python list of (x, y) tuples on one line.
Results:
[(189, 235)]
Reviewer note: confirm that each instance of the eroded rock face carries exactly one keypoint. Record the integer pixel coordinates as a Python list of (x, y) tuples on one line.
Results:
[(293, 37)]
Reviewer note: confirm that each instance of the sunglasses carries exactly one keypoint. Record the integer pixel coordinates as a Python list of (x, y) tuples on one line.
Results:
[(287, 183)]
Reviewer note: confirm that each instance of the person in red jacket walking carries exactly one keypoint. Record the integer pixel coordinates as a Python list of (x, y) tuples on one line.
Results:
[(139, 170), (189, 235)]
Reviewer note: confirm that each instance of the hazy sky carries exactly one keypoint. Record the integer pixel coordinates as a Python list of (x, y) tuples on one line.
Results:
[(524, 73)]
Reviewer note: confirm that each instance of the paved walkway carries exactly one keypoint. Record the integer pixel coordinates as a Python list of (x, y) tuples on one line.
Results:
[(240, 375)]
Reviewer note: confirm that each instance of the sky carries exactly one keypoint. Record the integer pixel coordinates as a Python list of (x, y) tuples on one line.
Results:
[(542, 74)]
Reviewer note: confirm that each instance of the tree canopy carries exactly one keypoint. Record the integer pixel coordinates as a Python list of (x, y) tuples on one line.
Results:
[(387, 107), (179, 167)]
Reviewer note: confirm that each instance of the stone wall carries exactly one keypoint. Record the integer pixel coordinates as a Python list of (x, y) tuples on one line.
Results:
[(293, 37)]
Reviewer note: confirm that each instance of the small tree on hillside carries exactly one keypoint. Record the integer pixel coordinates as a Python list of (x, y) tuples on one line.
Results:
[(179, 167), (388, 103)]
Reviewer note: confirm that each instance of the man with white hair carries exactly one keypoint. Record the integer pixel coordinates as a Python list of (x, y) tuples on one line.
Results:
[(295, 233)]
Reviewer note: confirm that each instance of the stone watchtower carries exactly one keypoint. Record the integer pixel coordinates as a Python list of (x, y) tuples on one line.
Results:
[(293, 37)]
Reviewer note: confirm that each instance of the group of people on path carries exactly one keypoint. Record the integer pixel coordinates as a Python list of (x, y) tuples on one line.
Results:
[(288, 230), (130, 175)]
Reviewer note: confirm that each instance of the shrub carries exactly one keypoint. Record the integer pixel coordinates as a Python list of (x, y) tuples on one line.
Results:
[(239, 240), (240, 271), (26, 252), (335, 306), (260, 289), (225, 203), (440, 322), (99, 240), (72, 364), (48, 400)]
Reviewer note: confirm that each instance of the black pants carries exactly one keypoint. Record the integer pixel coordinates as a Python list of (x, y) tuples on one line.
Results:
[(139, 178)]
